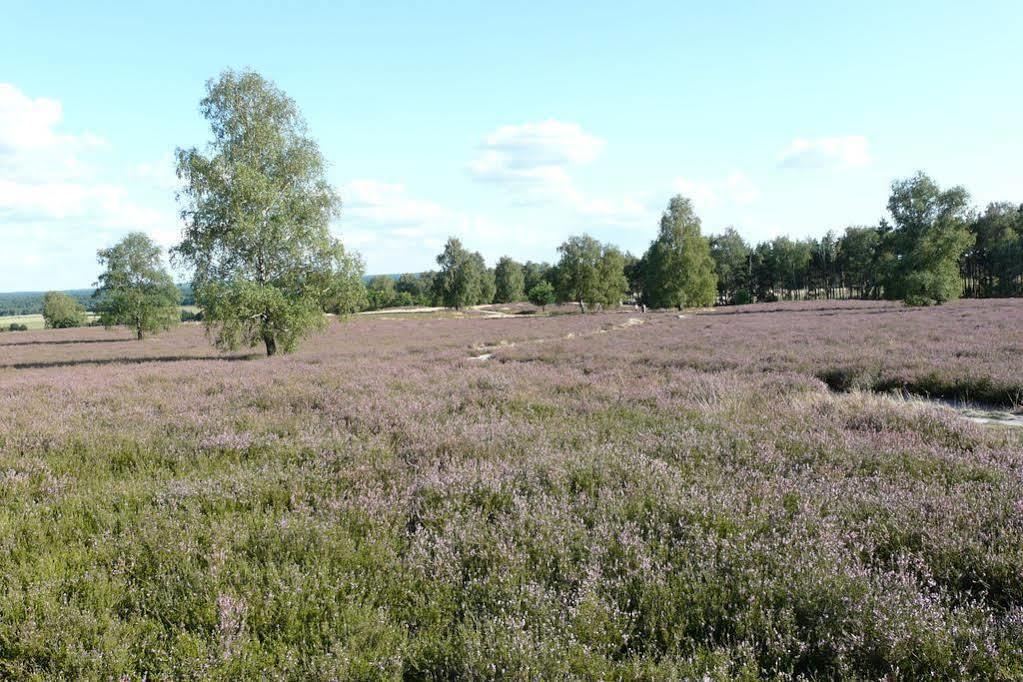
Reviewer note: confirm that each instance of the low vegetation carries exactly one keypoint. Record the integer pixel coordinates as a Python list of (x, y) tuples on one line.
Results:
[(611, 496)]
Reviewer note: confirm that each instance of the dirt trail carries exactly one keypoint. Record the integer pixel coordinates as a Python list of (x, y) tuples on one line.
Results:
[(487, 351)]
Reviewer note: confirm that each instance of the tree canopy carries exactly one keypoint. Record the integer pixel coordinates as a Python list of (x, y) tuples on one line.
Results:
[(542, 294), (732, 263), (61, 311), (678, 268), (590, 273), (135, 288), (257, 208), (995, 262), (458, 284), (929, 239), (510, 281)]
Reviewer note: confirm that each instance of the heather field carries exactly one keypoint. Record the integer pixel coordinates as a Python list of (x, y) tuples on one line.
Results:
[(730, 494)]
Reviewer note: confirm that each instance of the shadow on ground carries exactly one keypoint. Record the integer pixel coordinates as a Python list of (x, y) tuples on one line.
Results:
[(65, 342), (127, 361)]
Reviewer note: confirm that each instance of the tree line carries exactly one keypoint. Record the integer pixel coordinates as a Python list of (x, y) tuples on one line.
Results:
[(934, 248), (256, 208), (676, 271)]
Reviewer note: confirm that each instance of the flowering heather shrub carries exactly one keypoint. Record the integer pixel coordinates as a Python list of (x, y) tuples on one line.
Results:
[(599, 499)]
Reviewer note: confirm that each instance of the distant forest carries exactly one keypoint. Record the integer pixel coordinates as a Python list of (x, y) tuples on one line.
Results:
[(31, 302)]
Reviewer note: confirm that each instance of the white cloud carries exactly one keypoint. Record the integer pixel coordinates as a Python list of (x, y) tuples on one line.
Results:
[(735, 189), (27, 123), (532, 159), (703, 194), (387, 204), (544, 143), (741, 189), (396, 230), (54, 198), (29, 136), (377, 212), (826, 152)]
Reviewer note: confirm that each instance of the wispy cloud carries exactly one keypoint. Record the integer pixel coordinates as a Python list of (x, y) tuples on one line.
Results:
[(533, 162), (59, 201), (826, 152), (387, 222), (735, 188)]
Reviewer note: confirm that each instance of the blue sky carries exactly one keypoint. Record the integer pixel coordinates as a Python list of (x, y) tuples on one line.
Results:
[(510, 125)]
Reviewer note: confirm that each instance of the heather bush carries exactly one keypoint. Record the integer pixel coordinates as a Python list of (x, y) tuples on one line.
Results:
[(599, 499)]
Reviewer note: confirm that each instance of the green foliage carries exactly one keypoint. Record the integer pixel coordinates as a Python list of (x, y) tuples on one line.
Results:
[(381, 292), (858, 258), (31, 302), (590, 273), (60, 311), (510, 281), (542, 294), (576, 271), (337, 276), (611, 278), (418, 287), (633, 270), (488, 283), (16, 327), (936, 278), (534, 273), (257, 208), (135, 289), (458, 284), (732, 263), (996, 260), (929, 239), (679, 269), (782, 266)]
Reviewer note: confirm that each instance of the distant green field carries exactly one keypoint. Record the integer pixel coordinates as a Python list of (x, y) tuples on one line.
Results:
[(32, 321), (36, 321)]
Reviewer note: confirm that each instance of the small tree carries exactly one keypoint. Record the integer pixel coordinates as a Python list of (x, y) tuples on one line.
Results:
[(611, 279), (732, 262), (929, 239), (458, 283), (858, 258), (488, 285), (679, 270), (510, 281), (534, 273), (135, 289), (542, 295), (578, 271), (257, 209), (60, 311)]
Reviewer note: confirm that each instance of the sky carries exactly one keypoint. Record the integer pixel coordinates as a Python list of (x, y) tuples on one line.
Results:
[(509, 125)]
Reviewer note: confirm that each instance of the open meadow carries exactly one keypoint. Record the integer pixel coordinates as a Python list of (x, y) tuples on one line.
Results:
[(606, 496)]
